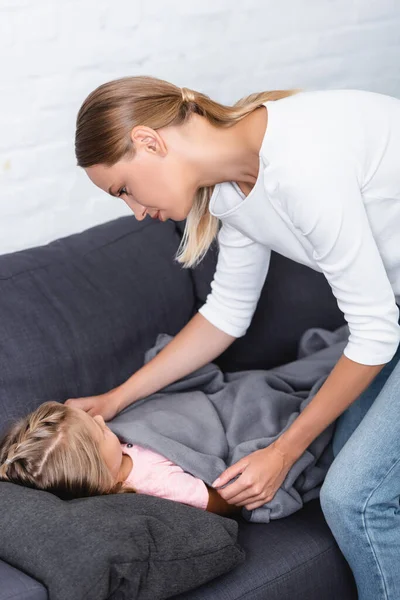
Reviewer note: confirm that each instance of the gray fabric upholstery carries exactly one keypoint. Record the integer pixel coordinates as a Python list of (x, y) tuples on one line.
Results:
[(124, 546), (76, 318), (77, 315), (295, 558), (16, 585), (292, 559)]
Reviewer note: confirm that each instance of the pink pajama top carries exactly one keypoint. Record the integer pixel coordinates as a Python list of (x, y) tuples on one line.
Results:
[(155, 475)]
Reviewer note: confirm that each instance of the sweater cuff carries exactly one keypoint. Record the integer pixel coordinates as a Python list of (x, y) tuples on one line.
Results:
[(215, 319), (370, 352)]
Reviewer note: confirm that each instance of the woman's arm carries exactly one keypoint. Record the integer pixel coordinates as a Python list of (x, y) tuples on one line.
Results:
[(263, 471), (240, 274), (327, 209), (345, 383), (241, 270), (197, 344)]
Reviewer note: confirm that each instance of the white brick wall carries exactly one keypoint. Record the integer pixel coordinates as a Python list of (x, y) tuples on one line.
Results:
[(54, 52)]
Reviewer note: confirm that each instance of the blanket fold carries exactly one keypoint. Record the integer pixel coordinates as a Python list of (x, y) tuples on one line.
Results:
[(209, 420)]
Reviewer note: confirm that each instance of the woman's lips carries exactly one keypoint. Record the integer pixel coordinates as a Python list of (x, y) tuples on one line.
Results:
[(157, 215)]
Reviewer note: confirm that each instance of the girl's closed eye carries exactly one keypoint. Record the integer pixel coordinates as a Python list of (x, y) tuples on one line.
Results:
[(122, 191)]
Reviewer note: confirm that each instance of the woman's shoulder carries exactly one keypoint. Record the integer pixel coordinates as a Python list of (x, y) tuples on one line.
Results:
[(338, 96), (326, 112), (316, 129)]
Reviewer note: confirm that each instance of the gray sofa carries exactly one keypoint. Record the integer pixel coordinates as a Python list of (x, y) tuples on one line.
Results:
[(77, 316)]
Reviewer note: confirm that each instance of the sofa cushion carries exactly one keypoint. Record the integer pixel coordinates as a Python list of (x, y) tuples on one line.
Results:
[(78, 314), (118, 546), (295, 558)]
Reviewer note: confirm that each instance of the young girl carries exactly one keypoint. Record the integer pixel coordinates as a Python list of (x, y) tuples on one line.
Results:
[(65, 451), (314, 176)]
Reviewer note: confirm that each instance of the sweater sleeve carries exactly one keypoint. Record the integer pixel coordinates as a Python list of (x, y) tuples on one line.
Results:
[(241, 270), (155, 475), (184, 487), (328, 209)]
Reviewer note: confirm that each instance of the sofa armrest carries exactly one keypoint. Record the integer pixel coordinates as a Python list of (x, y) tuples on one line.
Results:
[(16, 585)]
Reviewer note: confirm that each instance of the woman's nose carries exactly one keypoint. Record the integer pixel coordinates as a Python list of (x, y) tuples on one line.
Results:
[(139, 214), (139, 211)]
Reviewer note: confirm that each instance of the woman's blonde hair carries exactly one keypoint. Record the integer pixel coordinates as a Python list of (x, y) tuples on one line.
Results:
[(111, 111), (51, 449)]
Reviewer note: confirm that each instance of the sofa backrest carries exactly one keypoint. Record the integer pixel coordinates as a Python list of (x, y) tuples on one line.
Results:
[(77, 315)]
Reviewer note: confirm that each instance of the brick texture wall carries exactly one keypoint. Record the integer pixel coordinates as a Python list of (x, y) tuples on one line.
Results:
[(54, 52)]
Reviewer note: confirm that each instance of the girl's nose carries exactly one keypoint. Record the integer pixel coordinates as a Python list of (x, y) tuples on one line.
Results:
[(99, 419)]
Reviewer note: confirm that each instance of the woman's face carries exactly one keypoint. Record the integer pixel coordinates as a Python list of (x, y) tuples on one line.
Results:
[(156, 181)]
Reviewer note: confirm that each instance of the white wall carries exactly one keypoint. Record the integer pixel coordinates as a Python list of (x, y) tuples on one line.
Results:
[(54, 52)]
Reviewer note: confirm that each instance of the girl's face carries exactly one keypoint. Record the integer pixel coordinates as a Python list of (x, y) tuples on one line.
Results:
[(110, 446), (156, 181)]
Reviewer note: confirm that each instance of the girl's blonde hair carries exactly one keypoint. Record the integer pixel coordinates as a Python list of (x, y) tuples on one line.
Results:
[(111, 111), (52, 450)]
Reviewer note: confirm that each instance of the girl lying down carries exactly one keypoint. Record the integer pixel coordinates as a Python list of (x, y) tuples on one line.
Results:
[(65, 451)]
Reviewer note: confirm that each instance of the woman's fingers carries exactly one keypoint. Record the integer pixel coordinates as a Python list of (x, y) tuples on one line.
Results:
[(230, 473)]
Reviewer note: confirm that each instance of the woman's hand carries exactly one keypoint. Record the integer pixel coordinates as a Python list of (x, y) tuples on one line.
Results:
[(107, 405), (261, 474)]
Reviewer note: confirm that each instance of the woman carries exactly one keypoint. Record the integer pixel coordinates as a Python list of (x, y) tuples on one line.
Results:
[(314, 176)]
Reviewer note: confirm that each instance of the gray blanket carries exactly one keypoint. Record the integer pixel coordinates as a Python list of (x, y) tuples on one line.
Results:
[(209, 420)]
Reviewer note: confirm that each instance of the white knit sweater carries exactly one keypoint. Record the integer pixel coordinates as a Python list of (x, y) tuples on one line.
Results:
[(327, 196)]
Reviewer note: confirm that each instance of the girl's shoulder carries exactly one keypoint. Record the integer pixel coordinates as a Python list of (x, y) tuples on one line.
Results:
[(144, 455)]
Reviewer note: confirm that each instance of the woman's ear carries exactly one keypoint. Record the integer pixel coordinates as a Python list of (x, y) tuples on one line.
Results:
[(147, 139)]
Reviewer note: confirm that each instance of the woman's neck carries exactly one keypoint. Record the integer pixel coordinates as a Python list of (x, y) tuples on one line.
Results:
[(218, 154)]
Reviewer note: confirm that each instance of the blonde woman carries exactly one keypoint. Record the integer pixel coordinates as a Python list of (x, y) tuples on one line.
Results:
[(314, 176)]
